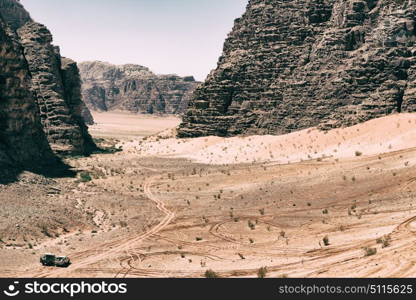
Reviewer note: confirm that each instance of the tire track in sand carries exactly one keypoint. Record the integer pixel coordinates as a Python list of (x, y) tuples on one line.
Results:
[(123, 246)]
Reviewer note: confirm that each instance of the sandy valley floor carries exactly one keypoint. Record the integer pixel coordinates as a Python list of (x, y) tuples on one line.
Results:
[(308, 204)]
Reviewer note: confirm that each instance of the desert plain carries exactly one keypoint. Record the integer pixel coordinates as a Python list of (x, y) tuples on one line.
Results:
[(339, 203)]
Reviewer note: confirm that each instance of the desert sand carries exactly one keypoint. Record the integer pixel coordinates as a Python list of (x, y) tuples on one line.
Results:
[(382, 135), (307, 204), (124, 124)]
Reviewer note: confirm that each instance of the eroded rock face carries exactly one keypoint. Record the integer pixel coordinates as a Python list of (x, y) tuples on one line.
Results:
[(23, 143), (57, 86), (55, 82), (72, 88), (290, 65), (134, 88), (14, 13)]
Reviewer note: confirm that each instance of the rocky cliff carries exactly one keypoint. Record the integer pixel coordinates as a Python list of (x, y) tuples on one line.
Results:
[(55, 83), (14, 13), (23, 143), (134, 88), (72, 89), (290, 65)]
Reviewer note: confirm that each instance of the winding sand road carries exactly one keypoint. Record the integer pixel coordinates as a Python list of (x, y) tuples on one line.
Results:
[(113, 249)]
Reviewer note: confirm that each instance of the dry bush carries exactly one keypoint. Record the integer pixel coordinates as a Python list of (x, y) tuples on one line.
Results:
[(262, 272), (211, 274), (370, 251)]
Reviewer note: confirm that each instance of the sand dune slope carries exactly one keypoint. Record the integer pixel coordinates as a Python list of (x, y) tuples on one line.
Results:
[(383, 135)]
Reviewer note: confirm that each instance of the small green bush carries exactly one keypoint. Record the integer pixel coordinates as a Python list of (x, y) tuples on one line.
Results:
[(85, 177)]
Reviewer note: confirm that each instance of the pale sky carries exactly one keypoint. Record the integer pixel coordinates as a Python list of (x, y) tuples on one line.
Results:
[(184, 37)]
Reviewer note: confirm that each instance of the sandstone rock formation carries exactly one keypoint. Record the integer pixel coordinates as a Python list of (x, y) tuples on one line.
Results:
[(55, 82), (134, 88), (14, 13), (72, 89), (22, 141), (290, 65)]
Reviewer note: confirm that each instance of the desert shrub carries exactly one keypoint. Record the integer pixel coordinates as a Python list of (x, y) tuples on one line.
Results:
[(85, 177), (45, 231), (262, 272), (384, 241), (326, 240), (211, 274), (370, 251)]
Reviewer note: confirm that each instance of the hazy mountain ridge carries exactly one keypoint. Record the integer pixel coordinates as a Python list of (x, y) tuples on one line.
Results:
[(134, 88)]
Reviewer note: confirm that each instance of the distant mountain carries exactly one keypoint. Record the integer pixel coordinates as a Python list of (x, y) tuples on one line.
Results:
[(134, 88)]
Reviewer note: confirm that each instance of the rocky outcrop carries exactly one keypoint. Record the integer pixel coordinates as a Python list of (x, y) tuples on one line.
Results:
[(72, 90), (290, 65), (14, 13), (134, 88), (55, 82), (22, 141)]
